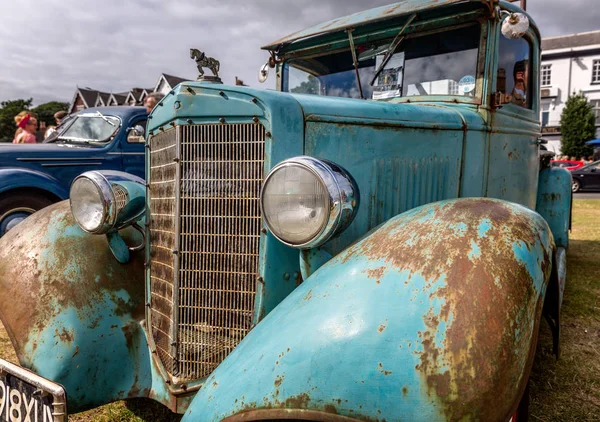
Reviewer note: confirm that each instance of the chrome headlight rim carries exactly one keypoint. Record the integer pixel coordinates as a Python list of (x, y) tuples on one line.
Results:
[(107, 196), (342, 192)]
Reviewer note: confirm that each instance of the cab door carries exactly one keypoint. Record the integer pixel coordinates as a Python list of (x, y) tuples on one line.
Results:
[(513, 142), (132, 148)]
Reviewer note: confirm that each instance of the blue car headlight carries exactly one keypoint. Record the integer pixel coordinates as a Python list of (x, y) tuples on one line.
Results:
[(102, 201)]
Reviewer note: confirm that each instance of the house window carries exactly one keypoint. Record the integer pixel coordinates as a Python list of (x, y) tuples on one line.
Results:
[(453, 88), (596, 72), (545, 113), (596, 108), (546, 75)]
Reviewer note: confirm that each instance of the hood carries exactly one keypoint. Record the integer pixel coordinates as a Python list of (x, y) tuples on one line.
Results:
[(189, 101), (427, 115)]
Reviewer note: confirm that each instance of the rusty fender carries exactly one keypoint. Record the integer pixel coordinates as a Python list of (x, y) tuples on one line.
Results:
[(431, 317), (72, 311)]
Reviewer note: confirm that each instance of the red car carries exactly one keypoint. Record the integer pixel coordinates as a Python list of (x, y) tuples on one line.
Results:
[(567, 164)]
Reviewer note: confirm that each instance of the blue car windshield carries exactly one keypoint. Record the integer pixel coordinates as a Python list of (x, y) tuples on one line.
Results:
[(88, 128), (442, 63)]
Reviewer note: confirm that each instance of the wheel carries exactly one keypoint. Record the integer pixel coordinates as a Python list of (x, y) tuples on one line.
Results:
[(576, 186), (16, 207)]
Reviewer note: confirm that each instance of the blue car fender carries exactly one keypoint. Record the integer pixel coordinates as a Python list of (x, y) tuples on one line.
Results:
[(17, 178), (433, 316), (72, 311)]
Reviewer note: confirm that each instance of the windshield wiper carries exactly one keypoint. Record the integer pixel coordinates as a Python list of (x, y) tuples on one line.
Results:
[(392, 50), (355, 60), (105, 118)]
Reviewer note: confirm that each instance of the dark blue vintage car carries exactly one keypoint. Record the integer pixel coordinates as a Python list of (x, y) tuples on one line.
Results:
[(35, 176)]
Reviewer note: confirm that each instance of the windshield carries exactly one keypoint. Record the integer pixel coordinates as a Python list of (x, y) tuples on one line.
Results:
[(90, 128), (443, 63)]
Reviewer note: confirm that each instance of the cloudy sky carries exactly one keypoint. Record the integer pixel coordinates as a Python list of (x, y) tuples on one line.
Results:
[(49, 47)]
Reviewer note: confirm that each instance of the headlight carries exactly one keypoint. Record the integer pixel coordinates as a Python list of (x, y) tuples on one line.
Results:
[(306, 201), (101, 201)]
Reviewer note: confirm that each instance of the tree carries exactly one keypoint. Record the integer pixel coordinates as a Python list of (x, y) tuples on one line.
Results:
[(577, 126), (45, 112), (310, 86), (8, 111)]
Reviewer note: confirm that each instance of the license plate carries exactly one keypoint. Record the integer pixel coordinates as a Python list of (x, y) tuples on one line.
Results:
[(27, 397)]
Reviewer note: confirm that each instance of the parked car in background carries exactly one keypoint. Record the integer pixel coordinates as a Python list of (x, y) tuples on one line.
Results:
[(587, 177), (567, 164), (33, 176)]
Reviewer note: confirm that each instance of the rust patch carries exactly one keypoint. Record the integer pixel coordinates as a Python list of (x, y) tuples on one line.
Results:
[(58, 275), (404, 391), (278, 381), (383, 371), (479, 329), (329, 408), (382, 327), (376, 274), (308, 295), (64, 335), (298, 402)]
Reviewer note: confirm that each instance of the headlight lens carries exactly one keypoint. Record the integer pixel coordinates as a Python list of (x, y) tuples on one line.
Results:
[(296, 204), (106, 200), (93, 202), (87, 205), (306, 201)]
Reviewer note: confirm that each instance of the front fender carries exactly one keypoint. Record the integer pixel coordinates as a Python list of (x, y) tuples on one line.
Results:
[(431, 317), (72, 311), (18, 178)]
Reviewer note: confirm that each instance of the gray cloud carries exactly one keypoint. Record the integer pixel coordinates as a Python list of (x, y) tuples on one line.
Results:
[(115, 45)]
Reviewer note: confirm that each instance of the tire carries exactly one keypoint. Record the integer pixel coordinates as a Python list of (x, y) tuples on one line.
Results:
[(576, 186), (15, 207)]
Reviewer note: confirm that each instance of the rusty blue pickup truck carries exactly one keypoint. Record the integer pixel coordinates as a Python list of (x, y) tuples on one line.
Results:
[(379, 239)]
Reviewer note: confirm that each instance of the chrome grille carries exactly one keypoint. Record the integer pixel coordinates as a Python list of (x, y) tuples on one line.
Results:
[(162, 188), (121, 197), (220, 171)]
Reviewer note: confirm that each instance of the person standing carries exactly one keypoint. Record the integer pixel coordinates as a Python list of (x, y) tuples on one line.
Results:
[(151, 100), (58, 117), (27, 124)]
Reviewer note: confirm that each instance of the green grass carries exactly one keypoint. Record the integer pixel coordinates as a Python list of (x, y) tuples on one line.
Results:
[(561, 390), (569, 389)]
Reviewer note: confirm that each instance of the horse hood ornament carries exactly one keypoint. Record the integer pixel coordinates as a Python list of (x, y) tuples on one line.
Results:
[(203, 61)]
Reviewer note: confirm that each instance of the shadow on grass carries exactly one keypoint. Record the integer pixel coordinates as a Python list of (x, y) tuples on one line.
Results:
[(150, 410), (568, 389)]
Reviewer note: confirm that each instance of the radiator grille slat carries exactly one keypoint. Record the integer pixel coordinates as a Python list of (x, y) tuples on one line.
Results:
[(221, 169)]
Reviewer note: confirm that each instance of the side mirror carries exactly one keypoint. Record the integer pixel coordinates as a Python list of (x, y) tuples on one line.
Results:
[(515, 25), (136, 134), (263, 73)]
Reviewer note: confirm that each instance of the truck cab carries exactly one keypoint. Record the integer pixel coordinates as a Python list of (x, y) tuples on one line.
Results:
[(378, 239)]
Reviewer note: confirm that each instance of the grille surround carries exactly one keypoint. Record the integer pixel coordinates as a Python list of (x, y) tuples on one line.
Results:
[(204, 235)]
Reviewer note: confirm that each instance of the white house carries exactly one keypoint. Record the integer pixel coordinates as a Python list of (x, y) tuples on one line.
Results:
[(166, 83), (570, 63)]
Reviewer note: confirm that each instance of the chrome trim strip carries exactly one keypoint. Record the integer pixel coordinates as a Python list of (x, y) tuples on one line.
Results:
[(33, 159), (125, 153), (70, 164), (59, 396)]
